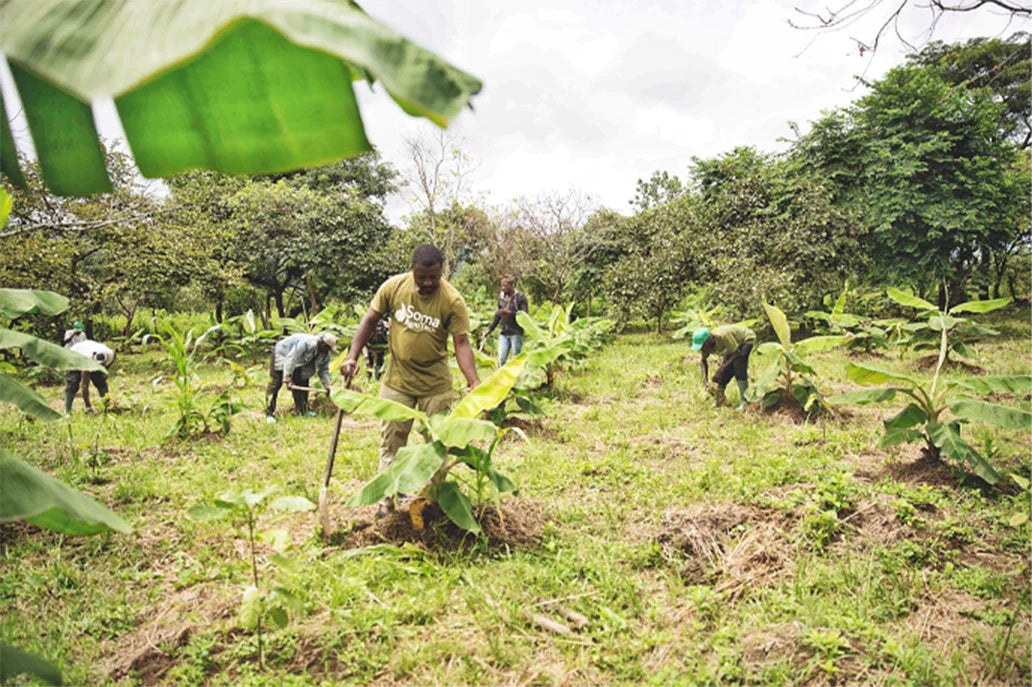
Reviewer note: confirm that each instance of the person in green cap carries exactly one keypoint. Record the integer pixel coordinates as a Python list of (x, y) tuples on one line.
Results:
[(74, 335), (734, 343)]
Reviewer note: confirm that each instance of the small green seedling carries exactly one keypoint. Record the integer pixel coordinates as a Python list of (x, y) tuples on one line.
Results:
[(259, 600), (791, 374)]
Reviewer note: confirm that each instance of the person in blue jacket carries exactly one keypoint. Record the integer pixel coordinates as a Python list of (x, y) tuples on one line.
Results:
[(296, 358)]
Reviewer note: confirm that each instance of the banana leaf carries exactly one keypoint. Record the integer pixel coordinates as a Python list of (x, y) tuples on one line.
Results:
[(460, 432), (992, 413), (868, 374), (35, 497), (46, 353), (1008, 384), (820, 344), (412, 468), (862, 397), (357, 403), (780, 323), (241, 86), (904, 298), (14, 661), (946, 436), (491, 391), (17, 302), (457, 506), (981, 306), (27, 400), (911, 416)]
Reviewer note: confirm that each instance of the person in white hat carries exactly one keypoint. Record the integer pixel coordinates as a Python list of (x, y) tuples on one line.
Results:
[(296, 358)]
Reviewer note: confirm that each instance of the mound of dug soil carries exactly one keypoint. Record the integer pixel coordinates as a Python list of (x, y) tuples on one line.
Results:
[(517, 523), (728, 545)]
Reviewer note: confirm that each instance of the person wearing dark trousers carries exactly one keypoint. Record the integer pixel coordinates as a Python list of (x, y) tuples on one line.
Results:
[(733, 343), (76, 379), (376, 350), (296, 358)]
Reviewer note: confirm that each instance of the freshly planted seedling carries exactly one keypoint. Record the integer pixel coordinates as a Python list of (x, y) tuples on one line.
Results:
[(866, 334), (259, 600), (790, 374), (571, 340), (459, 438), (938, 325), (923, 419)]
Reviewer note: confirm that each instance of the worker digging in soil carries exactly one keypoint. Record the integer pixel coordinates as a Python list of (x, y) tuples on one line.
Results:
[(74, 379), (423, 310), (733, 342), (296, 358)]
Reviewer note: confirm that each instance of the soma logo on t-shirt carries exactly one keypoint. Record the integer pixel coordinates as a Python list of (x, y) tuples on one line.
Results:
[(413, 319)]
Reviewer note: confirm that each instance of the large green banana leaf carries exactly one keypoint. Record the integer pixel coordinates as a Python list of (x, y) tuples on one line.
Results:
[(27, 400), (17, 302), (241, 86), (869, 374), (491, 391), (30, 495), (46, 353), (908, 299), (993, 413), (780, 323), (14, 661), (946, 435), (981, 306), (1010, 384), (412, 468)]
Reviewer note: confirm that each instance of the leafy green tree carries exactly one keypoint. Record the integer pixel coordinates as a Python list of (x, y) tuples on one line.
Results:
[(293, 238), (661, 187), (1001, 66), (925, 164), (655, 263), (113, 251), (766, 228)]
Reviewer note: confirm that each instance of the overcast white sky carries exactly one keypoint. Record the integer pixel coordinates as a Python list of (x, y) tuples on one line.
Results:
[(595, 94)]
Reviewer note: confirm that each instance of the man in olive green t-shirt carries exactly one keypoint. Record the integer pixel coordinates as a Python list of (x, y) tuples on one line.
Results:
[(734, 343), (424, 310)]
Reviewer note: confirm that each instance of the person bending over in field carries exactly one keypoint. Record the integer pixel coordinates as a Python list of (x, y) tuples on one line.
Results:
[(76, 378), (734, 343), (296, 358), (423, 310)]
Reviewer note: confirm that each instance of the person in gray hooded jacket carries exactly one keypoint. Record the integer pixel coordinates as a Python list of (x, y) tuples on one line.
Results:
[(296, 358)]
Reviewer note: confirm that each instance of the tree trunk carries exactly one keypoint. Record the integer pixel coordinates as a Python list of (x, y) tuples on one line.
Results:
[(279, 304), (219, 299), (129, 317), (314, 307)]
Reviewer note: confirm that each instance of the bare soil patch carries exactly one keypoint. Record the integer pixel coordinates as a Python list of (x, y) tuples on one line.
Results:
[(929, 362), (147, 653), (518, 523), (727, 545), (532, 427)]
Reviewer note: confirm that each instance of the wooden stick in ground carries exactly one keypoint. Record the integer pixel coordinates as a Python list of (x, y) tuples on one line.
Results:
[(324, 509), (547, 623)]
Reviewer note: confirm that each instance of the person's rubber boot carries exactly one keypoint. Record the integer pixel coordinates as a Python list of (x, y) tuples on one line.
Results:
[(269, 419), (718, 396), (743, 387)]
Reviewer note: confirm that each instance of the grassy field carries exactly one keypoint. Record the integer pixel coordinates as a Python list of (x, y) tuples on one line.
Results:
[(675, 543)]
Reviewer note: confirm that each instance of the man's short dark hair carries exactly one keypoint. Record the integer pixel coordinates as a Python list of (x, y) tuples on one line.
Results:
[(427, 255)]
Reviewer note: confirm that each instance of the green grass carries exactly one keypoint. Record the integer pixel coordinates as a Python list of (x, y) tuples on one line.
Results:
[(850, 564)]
